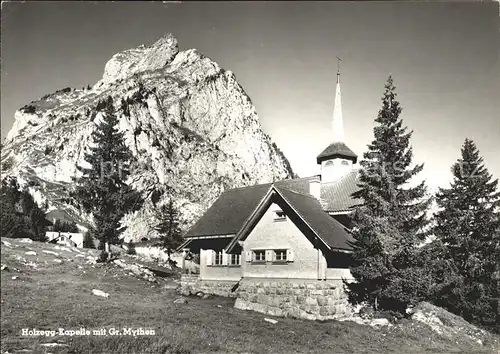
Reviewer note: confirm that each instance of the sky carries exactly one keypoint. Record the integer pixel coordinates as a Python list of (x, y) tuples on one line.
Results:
[(444, 58)]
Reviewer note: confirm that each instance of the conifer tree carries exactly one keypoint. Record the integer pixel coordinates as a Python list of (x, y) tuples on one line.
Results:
[(21, 217), (102, 189), (168, 227), (64, 226), (467, 228), (88, 241), (391, 220)]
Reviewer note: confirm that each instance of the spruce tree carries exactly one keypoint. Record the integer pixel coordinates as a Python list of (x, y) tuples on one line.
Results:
[(168, 227), (102, 189), (21, 217), (467, 227), (391, 220), (65, 226), (88, 240)]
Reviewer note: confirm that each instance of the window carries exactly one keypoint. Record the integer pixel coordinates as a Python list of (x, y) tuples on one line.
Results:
[(234, 259), (218, 258), (344, 162), (259, 256), (279, 215), (280, 255)]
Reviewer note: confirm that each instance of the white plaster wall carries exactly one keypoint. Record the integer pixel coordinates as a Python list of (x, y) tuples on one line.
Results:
[(217, 272), (270, 234), (334, 171)]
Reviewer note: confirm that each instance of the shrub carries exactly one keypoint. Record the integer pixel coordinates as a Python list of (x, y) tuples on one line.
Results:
[(103, 257), (131, 248), (30, 109)]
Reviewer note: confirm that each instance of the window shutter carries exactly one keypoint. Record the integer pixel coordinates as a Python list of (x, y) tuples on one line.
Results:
[(209, 257), (224, 257), (269, 255), (289, 255), (249, 256)]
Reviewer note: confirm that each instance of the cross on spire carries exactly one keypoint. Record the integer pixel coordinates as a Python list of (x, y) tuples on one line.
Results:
[(337, 124), (338, 69)]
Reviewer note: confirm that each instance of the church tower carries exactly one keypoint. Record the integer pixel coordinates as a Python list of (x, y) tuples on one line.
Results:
[(337, 159)]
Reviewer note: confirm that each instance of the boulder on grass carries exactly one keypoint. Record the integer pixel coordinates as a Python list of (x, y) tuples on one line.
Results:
[(100, 293)]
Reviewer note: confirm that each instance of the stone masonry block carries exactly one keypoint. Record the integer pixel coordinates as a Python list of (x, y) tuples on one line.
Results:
[(322, 301), (293, 312), (301, 299), (274, 311), (316, 292), (311, 301)]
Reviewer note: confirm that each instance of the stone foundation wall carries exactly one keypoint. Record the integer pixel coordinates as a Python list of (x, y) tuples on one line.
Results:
[(191, 284), (306, 299)]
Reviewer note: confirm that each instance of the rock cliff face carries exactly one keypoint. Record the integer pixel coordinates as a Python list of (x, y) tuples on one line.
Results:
[(190, 125)]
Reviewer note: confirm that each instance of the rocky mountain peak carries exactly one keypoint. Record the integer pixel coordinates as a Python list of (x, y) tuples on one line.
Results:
[(190, 126), (133, 61)]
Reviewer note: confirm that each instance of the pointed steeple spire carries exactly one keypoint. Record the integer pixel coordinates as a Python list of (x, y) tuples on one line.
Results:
[(337, 148), (337, 122)]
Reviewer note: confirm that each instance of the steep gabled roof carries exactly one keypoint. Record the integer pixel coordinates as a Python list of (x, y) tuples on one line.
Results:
[(338, 195), (305, 212), (329, 230), (337, 149), (229, 212)]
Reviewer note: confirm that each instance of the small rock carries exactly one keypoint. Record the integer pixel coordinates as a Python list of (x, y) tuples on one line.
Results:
[(200, 294), (100, 293), (57, 261), (31, 265), (206, 296), (219, 306), (30, 253), (25, 240), (4, 267), (180, 301), (15, 277), (270, 320), (379, 322), (51, 252), (7, 243), (53, 345)]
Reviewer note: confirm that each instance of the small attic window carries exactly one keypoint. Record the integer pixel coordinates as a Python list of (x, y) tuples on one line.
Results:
[(345, 163), (279, 215)]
